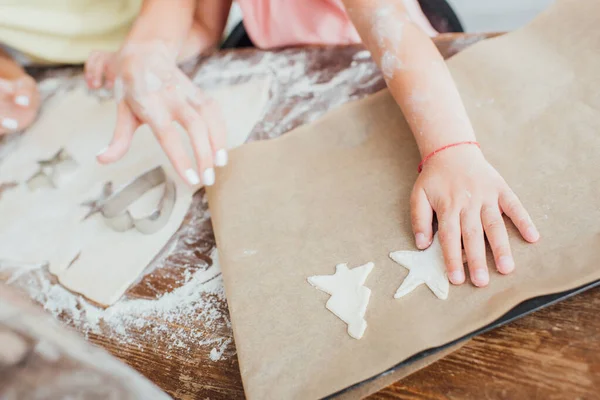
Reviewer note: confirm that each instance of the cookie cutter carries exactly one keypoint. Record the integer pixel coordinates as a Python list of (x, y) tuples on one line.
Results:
[(51, 170), (115, 211), (95, 205)]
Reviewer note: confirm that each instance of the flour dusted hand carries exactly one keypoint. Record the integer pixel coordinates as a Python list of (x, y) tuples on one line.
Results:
[(151, 89), (469, 196)]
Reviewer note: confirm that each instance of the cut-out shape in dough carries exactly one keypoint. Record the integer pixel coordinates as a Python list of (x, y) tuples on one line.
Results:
[(52, 170), (349, 298), (426, 267)]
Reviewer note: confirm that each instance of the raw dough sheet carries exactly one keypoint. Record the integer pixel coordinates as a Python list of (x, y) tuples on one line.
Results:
[(46, 225), (338, 190)]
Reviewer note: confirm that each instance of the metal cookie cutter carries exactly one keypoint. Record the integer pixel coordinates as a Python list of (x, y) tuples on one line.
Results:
[(51, 170), (117, 216)]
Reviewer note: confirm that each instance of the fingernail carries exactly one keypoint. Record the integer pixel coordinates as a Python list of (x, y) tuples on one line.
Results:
[(10, 124), (22, 100), (208, 177), (421, 240), (506, 264), (532, 234), (102, 151), (221, 158), (192, 177), (480, 277), (456, 277)]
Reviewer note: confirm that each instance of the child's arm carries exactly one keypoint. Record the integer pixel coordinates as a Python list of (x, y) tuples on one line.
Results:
[(150, 88), (466, 193)]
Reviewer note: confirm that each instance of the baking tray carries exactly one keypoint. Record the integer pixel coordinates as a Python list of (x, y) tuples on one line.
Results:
[(525, 308)]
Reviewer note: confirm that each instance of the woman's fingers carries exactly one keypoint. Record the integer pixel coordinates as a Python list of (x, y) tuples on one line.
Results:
[(25, 92), (449, 234), (210, 111), (196, 128), (127, 123), (161, 122), (497, 236), (474, 242), (512, 207), (6, 87), (421, 218)]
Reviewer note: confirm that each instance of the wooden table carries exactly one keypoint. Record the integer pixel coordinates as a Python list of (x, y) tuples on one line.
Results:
[(554, 353)]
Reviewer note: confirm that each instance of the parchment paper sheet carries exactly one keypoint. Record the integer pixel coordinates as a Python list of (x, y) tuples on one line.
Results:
[(337, 190)]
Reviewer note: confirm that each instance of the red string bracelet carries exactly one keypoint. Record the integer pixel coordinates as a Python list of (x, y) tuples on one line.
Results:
[(433, 153)]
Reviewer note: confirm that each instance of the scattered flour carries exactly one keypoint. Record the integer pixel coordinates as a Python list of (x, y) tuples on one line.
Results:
[(198, 301), (303, 89), (389, 64), (388, 30)]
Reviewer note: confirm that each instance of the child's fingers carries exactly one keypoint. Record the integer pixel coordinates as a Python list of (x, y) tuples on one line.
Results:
[(127, 123), (421, 218), (449, 234), (512, 207), (196, 128), (495, 230), (474, 242)]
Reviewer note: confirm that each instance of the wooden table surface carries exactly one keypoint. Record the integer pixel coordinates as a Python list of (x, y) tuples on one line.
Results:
[(552, 354)]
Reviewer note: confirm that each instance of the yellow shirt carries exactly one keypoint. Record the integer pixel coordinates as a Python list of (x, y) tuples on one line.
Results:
[(65, 31)]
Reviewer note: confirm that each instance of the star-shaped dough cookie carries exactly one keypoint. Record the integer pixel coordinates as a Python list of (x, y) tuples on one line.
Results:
[(426, 267), (349, 298)]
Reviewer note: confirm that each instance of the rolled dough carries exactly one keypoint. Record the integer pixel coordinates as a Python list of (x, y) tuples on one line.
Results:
[(47, 225), (349, 297), (426, 267)]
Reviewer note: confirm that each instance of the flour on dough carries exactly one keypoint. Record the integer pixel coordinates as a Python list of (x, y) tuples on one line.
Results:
[(426, 267), (49, 226), (349, 298)]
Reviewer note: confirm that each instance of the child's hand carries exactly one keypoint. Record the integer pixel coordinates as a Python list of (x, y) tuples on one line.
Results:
[(150, 88), (468, 196)]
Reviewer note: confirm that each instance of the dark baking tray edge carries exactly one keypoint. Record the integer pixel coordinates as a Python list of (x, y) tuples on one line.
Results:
[(519, 311)]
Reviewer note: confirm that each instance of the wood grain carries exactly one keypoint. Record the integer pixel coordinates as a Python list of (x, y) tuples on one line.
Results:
[(552, 354)]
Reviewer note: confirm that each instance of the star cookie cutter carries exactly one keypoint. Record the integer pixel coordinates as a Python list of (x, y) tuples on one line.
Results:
[(115, 208), (51, 170)]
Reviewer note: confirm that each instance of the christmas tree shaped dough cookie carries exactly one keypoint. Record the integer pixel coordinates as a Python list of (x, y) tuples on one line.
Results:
[(426, 267), (349, 298)]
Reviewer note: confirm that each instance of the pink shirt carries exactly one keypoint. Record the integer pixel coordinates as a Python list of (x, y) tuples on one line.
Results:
[(279, 23)]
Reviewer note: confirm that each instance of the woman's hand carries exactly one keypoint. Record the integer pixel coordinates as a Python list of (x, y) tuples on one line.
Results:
[(151, 89), (19, 103), (469, 197)]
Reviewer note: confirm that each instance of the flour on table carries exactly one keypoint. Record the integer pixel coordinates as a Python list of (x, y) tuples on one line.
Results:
[(47, 225), (425, 267), (349, 298), (198, 300)]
